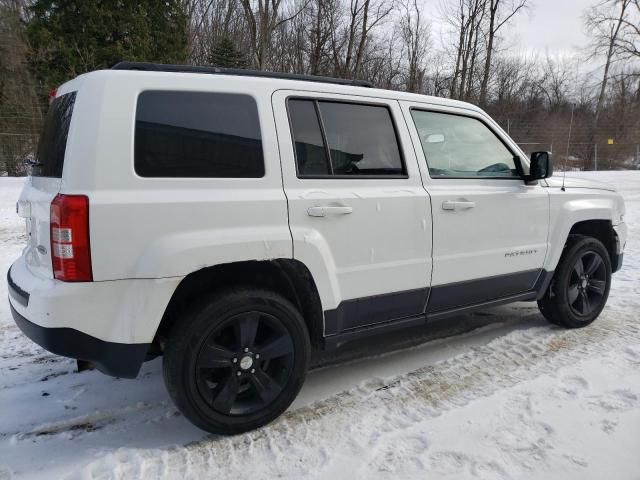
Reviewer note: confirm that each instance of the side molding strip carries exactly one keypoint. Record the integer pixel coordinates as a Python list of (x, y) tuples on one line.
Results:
[(368, 311), (362, 317), (471, 292)]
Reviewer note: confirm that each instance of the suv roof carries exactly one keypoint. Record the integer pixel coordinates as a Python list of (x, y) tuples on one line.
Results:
[(256, 77), (159, 67)]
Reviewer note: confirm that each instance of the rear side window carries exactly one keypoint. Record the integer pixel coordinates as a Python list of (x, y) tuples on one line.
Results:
[(53, 139), (198, 135), (344, 139), (310, 149)]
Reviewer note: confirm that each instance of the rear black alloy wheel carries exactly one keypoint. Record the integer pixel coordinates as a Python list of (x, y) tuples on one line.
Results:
[(580, 286), (244, 363), (237, 361)]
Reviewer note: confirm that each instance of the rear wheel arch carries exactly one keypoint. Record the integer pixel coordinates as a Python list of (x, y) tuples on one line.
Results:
[(287, 277)]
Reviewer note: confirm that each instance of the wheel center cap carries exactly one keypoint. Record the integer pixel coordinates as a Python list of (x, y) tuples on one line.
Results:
[(584, 283), (246, 362)]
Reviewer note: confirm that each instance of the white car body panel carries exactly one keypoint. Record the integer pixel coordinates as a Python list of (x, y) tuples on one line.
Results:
[(492, 238), (384, 246), (578, 204), (122, 311)]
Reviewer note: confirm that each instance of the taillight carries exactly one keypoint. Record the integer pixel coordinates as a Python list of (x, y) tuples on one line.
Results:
[(70, 252)]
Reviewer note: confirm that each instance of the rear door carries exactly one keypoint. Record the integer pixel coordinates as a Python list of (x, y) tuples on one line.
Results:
[(359, 215), (43, 184)]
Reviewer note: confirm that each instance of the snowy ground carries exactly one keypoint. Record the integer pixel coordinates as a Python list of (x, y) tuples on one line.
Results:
[(515, 398)]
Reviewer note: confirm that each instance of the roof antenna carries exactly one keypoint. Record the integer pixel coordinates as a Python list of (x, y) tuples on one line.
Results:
[(566, 158)]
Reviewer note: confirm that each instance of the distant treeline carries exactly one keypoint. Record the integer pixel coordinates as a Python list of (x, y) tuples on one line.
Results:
[(388, 42)]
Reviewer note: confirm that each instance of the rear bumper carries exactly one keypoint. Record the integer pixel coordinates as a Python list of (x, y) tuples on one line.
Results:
[(116, 359), (109, 323)]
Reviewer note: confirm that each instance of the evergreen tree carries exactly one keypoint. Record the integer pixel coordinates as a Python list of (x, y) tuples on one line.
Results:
[(75, 36), (226, 55)]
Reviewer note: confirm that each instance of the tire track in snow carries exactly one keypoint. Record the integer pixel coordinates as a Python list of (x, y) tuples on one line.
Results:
[(369, 420)]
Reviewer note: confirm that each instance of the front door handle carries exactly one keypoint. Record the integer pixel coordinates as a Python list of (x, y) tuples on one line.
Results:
[(329, 210), (457, 205)]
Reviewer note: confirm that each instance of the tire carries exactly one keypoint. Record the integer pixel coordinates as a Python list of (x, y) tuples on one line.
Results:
[(580, 286), (267, 337)]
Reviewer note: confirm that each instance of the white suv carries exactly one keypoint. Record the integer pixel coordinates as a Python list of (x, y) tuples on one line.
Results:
[(229, 220)]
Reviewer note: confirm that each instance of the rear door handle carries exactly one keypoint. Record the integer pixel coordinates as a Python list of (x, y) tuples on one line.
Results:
[(328, 210), (457, 205)]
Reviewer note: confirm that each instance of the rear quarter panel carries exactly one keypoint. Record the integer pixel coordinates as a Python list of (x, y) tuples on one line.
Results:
[(168, 227)]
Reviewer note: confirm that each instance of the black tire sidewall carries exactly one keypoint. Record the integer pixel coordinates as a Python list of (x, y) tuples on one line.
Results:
[(186, 338), (564, 314)]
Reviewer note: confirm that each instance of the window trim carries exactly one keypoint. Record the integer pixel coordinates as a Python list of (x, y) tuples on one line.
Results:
[(516, 158), (183, 178), (316, 102)]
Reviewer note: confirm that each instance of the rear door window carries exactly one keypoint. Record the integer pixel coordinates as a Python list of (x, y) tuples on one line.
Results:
[(53, 139), (310, 150), (344, 139), (197, 134)]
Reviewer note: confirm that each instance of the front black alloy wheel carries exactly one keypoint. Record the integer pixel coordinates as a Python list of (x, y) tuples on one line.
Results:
[(580, 286), (237, 361), (587, 283)]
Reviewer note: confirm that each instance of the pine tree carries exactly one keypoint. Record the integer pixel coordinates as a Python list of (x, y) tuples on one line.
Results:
[(75, 36), (226, 55)]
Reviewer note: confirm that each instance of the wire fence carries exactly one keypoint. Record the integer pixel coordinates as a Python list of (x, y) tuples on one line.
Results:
[(15, 150), (588, 155)]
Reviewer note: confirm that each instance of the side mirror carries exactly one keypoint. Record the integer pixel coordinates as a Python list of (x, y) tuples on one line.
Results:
[(541, 166)]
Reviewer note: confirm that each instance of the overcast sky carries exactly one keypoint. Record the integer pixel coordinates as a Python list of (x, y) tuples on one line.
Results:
[(555, 25)]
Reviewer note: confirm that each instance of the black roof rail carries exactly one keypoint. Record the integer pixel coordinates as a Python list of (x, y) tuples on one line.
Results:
[(159, 67)]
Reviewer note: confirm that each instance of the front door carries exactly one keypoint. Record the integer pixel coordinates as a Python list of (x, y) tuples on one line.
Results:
[(358, 212), (489, 228)]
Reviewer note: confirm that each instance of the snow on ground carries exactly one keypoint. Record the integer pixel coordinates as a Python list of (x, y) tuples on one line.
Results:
[(516, 398)]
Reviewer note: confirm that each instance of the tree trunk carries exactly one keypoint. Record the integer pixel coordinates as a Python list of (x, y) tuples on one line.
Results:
[(493, 8)]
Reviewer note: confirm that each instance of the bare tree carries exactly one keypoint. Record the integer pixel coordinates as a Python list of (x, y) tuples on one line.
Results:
[(605, 22), (263, 18), (414, 32), (364, 15), (629, 40), (466, 18), (555, 83), (323, 18), (500, 12)]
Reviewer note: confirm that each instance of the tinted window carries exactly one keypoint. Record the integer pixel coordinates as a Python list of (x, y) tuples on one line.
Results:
[(53, 139), (457, 146), (197, 134), (307, 137), (361, 138), (358, 139)]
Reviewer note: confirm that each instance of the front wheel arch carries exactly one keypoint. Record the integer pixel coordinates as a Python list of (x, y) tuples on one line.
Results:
[(556, 303)]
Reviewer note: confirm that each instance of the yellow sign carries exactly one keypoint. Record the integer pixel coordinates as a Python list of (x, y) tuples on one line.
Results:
[(610, 141)]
